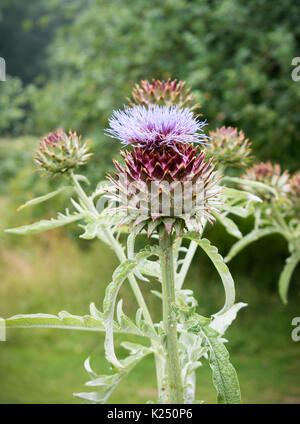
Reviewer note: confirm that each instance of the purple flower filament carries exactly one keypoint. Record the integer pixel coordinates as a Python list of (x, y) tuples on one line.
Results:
[(157, 126)]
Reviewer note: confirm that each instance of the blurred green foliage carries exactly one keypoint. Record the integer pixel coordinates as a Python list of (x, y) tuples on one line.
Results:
[(69, 64), (12, 105), (236, 56)]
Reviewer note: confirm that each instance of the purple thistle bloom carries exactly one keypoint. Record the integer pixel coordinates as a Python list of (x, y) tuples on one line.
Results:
[(156, 126)]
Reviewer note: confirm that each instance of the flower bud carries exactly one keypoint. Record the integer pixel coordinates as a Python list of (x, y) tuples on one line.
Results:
[(229, 147), (58, 152)]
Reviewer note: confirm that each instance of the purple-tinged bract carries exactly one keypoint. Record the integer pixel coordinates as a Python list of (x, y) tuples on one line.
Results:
[(160, 92), (294, 193), (270, 175), (158, 126), (175, 188)]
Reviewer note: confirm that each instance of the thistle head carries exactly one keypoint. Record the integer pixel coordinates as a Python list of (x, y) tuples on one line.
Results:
[(164, 93), (156, 127), (270, 175), (229, 147), (58, 152), (174, 188)]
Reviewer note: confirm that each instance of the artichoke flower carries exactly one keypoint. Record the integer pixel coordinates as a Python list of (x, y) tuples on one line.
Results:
[(164, 179)]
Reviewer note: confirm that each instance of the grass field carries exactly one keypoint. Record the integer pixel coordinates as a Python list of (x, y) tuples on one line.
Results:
[(50, 272)]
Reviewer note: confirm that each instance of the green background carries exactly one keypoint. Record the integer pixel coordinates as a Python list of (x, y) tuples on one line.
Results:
[(69, 64)]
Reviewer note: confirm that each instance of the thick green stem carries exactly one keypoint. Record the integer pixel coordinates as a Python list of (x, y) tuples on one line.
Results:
[(174, 380)]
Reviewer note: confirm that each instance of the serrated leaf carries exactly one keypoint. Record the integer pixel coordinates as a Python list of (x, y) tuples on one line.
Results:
[(91, 230), (221, 267), (66, 321), (108, 383), (286, 275), (249, 238), (42, 199), (224, 375), (45, 225), (63, 320), (220, 323)]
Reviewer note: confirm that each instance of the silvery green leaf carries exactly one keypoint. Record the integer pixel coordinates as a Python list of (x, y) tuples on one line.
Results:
[(101, 189), (123, 320), (130, 255), (82, 178), (255, 184), (150, 268), (90, 230), (43, 198), (249, 238), (239, 196), (92, 397), (108, 383), (221, 267), (44, 225), (224, 375), (191, 350), (88, 368), (94, 311), (286, 275), (238, 202), (228, 224), (220, 323), (112, 290), (241, 211), (80, 207), (156, 293), (138, 316), (66, 321), (63, 320)]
